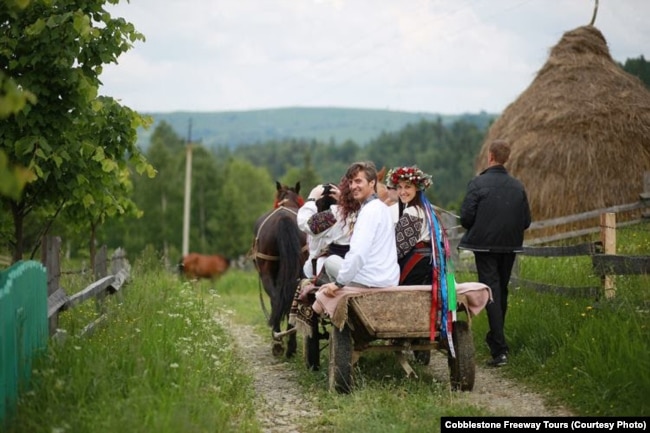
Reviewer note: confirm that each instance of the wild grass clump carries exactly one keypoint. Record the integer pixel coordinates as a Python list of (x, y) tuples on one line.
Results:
[(159, 362)]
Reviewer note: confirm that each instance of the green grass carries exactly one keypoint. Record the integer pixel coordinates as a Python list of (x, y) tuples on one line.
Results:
[(160, 363), (592, 355)]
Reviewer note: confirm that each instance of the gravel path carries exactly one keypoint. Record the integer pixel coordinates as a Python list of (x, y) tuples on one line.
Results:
[(496, 393), (279, 398)]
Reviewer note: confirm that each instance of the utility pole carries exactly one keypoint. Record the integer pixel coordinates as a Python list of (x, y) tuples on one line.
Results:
[(188, 191)]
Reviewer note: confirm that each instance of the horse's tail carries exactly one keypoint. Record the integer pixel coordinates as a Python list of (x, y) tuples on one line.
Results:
[(289, 268)]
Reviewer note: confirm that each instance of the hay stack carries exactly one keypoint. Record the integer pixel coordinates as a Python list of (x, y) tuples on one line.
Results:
[(580, 133)]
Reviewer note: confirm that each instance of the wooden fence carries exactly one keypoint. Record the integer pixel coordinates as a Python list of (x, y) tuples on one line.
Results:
[(46, 300), (105, 284), (605, 262)]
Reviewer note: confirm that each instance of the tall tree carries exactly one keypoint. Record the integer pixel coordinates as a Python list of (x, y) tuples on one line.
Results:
[(161, 198), (306, 175), (76, 143), (247, 192)]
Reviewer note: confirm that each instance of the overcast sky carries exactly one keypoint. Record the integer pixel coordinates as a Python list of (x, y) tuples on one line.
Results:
[(438, 56)]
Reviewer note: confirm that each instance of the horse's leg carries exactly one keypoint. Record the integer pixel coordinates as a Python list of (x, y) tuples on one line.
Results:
[(277, 347)]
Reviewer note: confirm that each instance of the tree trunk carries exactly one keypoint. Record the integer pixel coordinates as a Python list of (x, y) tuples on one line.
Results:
[(92, 248), (19, 220)]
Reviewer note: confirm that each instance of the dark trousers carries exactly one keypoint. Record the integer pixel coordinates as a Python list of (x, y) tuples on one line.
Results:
[(494, 270)]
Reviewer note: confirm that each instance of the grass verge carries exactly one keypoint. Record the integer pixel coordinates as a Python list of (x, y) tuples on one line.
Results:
[(159, 363)]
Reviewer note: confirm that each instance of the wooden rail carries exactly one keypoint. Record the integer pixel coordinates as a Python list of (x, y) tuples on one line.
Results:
[(58, 300), (605, 262)]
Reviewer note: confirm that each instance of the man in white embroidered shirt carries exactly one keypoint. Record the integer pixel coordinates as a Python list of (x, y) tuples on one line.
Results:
[(372, 258)]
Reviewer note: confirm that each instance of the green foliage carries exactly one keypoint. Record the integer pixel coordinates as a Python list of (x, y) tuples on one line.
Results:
[(12, 99), (638, 67), (448, 153), (76, 143), (247, 193), (227, 196)]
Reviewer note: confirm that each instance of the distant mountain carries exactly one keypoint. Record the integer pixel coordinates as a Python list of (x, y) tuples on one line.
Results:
[(232, 128)]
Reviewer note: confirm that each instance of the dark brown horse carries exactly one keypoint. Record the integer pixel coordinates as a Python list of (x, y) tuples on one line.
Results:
[(279, 252), (195, 266)]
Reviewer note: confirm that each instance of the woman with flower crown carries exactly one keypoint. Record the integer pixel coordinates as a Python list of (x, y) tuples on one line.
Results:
[(422, 248), (416, 224)]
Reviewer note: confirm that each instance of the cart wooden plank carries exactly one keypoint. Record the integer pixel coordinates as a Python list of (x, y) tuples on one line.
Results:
[(393, 314)]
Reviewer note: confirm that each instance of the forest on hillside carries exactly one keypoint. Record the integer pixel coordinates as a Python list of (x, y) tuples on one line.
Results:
[(234, 128)]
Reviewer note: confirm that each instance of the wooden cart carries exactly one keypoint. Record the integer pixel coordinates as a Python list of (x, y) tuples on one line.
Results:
[(395, 321)]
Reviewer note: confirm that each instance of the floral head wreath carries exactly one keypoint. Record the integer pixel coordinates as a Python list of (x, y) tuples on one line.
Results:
[(412, 174)]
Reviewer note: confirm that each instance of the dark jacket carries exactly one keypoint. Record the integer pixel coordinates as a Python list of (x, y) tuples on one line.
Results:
[(495, 212)]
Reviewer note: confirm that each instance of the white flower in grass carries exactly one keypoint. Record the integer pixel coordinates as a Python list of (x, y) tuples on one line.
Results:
[(173, 365)]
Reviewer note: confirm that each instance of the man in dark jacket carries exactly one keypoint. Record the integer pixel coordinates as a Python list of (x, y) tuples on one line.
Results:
[(495, 213)]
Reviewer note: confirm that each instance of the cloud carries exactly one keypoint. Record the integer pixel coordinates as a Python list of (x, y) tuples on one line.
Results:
[(435, 56)]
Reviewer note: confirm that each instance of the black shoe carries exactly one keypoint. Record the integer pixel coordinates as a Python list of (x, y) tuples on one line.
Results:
[(498, 361)]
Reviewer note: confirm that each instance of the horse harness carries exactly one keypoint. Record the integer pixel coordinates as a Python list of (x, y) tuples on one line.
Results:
[(258, 255)]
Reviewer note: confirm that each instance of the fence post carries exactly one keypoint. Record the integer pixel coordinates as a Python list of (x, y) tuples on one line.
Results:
[(100, 267), (50, 250), (100, 271), (608, 239)]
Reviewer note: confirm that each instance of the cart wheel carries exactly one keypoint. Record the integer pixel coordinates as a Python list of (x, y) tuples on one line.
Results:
[(340, 362), (311, 347), (462, 367), (422, 356)]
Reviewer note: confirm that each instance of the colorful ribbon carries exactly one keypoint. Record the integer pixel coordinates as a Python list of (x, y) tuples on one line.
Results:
[(443, 287)]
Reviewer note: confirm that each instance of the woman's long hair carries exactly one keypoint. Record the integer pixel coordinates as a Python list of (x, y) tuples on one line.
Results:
[(347, 203)]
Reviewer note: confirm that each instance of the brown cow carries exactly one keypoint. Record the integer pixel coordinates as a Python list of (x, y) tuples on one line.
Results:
[(196, 266)]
